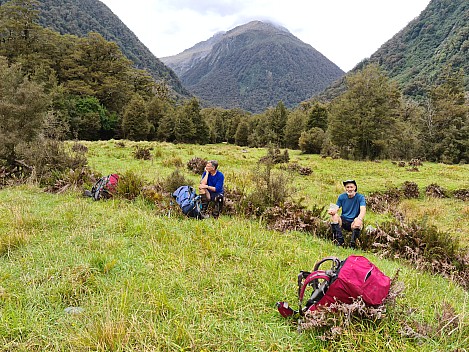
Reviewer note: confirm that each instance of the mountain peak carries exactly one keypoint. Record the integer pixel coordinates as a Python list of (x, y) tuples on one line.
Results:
[(254, 66)]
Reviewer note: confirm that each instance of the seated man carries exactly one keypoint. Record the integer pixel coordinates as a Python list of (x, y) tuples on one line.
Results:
[(353, 206), (211, 188)]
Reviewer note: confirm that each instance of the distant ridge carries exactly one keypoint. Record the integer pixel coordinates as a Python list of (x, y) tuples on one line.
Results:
[(253, 67)]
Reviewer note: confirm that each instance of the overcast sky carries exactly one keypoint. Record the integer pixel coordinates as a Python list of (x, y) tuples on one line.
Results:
[(345, 31)]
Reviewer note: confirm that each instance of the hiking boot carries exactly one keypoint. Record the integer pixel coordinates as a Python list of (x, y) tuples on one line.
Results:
[(203, 203), (353, 240), (204, 216)]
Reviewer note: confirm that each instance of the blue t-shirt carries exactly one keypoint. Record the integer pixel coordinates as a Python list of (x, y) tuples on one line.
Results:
[(216, 181), (350, 206)]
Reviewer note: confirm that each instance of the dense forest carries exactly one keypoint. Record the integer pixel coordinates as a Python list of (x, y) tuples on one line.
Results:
[(56, 87)]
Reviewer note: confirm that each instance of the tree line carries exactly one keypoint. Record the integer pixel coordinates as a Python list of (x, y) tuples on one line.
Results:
[(57, 87)]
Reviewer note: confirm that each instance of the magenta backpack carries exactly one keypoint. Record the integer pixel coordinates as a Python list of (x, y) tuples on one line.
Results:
[(105, 187), (343, 282)]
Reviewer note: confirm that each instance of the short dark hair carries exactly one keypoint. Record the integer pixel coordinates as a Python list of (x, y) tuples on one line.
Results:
[(214, 163)]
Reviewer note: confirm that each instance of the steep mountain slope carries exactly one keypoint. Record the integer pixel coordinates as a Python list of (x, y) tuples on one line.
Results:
[(79, 17), (184, 61), (419, 53), (254, 66)]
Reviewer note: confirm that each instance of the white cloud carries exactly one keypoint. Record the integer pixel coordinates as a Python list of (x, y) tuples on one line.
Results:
[(344, 31)]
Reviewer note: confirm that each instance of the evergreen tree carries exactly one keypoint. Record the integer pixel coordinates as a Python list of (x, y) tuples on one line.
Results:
[(363, 119), (200, 134), (184, 128), (135, 125), (278, 121), (295, 125), (166, 128), (445, 127), (317, 116), (311, 141), (23, 107), (242, 134), (18, 30), (157, 108)]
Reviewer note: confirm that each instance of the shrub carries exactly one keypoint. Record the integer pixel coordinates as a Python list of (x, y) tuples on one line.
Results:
[(435, 191), (197, 165), (462, 194), (410, 190), (142, 153), (275, 156), (174, 181), (422, 245), (384, 202), (294, 217), (270, 189), (173, 162), (50, 159), (130, 185), (311, 141), (79, 148)]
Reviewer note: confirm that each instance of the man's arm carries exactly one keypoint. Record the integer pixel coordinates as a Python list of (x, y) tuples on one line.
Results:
[(204, 179)]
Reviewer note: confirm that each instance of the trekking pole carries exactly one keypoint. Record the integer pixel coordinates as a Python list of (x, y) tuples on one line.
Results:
[(170, 206)]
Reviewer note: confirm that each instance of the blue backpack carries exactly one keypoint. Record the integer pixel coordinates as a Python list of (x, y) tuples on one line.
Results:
[(188, 201)]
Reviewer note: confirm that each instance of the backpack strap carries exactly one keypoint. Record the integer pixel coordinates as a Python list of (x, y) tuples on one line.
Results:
[(337, 263), (315, 275)]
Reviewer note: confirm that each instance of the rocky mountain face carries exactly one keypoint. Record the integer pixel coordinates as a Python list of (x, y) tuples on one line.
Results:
[(253, 67)]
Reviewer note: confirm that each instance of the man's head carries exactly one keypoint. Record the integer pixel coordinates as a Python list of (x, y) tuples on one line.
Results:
[(213, 163), (350, 187)]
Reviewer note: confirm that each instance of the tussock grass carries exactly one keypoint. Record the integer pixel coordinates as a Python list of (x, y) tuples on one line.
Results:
[(149, 282)]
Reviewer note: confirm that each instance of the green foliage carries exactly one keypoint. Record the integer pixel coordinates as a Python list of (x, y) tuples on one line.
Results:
[(79, 19), (157, 109), (445, 130), (191, 110), (175, 180), (242, 134), (271, 189), (130, 185), (317, 116), (311, 141), (294, 127), (135, 125), (86, 114), (362, 119), (22, 110)]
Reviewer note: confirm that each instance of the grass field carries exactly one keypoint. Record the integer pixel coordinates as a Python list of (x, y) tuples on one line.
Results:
[(135, 280)]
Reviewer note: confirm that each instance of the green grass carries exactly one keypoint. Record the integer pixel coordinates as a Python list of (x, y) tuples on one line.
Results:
[(148, 282)]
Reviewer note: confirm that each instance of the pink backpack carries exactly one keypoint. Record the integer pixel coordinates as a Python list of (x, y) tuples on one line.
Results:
[(343, 282), (105, 187)]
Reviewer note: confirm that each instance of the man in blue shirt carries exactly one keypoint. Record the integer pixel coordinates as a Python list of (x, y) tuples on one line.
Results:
[(211, 188), (353, 206)]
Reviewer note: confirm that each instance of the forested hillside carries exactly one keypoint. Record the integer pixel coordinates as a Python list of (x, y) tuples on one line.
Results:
[(253, 67), (420, 54), (80, 17)]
